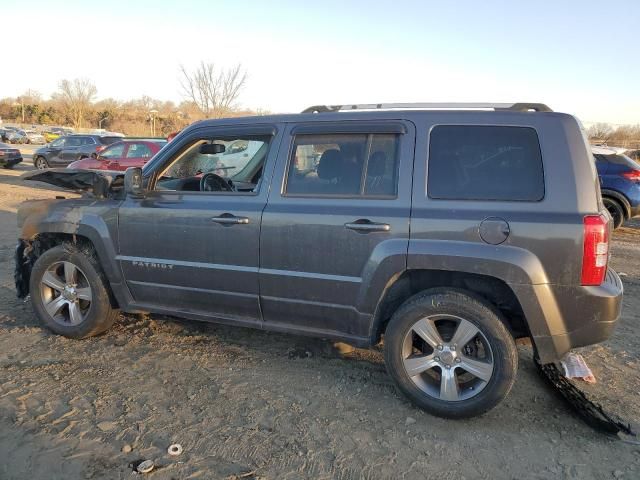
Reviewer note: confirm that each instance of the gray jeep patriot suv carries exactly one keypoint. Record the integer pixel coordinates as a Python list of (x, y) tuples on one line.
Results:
[(445, 230)]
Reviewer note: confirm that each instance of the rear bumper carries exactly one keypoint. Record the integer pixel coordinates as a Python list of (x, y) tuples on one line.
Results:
[(10, 161), (564, 317)]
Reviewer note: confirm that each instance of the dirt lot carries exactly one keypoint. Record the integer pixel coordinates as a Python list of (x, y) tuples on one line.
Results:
[(250, 404)]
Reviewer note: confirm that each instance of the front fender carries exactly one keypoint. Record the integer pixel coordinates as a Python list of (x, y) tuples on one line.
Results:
[(94, 220)]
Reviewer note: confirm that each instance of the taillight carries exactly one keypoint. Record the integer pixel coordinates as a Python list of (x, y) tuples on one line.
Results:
[(596, 250), (633, 175)]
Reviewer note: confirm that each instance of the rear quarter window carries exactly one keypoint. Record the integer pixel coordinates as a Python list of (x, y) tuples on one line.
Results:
[(473, 162)]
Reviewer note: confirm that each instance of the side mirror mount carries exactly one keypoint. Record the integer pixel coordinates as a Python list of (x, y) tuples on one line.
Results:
[(133, 182)]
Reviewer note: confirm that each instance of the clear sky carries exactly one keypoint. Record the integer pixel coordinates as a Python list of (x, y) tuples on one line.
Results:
[(581, 57)]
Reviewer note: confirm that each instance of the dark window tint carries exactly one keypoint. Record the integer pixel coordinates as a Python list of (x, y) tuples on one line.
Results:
[(73, 142), (88, 141), (109, 140), (343, 164), (618, 160), (485, 163)]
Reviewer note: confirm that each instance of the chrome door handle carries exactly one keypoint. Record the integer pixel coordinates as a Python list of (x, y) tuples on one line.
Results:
[(228, 219), (365, 226)]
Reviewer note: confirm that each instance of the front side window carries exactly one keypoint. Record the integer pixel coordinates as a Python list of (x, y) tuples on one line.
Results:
[(73, 142), (115, 151), (138, 150), (344, 165), (473, 162), (205, 165), (58, 142)]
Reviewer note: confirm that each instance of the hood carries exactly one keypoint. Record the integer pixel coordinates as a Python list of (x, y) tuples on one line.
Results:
[(99, 184)]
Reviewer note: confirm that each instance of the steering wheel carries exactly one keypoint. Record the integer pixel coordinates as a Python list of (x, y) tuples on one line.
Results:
[(211, 182)]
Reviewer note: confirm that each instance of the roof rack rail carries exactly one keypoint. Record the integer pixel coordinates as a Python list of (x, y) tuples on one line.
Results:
[(516, 107)]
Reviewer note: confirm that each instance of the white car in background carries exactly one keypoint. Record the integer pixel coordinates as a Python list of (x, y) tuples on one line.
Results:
[(237, 154), (35, 137)]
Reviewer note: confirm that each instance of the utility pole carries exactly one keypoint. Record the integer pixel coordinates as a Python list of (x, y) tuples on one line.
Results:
[(153, 122)]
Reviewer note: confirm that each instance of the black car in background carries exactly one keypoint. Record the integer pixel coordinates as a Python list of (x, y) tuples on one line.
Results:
[(64, 150), (9, 156)]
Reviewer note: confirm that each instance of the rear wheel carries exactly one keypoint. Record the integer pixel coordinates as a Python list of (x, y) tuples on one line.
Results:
[(41, 163), (69, 293), (615, 210), (450, 353)]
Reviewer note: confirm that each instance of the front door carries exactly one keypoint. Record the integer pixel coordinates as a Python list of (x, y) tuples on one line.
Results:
[(54, 156), (336, 226), (191, 245), (71, 150), (136, 154)]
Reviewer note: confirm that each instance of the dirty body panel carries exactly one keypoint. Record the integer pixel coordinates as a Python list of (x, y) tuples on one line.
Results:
[(540, 258), (43, 222), (166, 251)]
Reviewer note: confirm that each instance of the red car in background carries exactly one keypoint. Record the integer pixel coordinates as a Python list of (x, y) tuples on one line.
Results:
[(121, 155)]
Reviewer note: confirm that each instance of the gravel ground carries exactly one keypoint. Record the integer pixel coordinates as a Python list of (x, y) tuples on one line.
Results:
[(257, 405)]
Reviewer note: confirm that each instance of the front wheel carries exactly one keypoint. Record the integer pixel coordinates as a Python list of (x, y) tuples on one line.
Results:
[(69, 293), (41, 163), (450, 353)]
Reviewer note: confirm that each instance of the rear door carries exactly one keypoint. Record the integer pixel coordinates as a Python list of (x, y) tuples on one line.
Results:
[(337, 228)]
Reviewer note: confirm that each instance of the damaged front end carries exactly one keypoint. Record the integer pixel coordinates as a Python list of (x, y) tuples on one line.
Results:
[(27, 252), (50, 222), (97, 184)]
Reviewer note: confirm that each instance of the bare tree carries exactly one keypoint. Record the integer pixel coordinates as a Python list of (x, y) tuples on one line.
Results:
[(600, 131), (76, 97), (213, 90)]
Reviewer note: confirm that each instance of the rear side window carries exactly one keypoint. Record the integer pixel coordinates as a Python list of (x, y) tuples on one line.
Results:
[(343, 165), (473, 162), (618, 159)]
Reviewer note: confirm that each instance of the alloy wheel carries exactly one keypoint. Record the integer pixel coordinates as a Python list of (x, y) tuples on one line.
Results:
[(447, 357), (66, 293)]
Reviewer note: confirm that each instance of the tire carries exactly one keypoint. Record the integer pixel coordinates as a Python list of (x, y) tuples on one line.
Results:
[(53, 301), (491, 353), (616, 211), (40, 163)]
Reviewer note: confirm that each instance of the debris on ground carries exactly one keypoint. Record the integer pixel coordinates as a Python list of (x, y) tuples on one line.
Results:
[(145, 467), (127, 448), (575, 366), (592, 413), (174, 449)]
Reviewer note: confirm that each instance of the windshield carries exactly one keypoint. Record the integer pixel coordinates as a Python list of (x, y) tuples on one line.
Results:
[(232, 163)]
